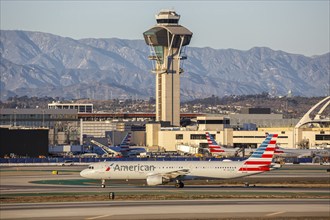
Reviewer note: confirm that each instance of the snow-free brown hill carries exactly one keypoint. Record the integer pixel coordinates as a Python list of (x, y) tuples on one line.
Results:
[(41, 64)]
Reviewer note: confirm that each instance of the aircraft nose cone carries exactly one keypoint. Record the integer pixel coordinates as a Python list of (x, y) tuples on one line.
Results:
[(83, 173)]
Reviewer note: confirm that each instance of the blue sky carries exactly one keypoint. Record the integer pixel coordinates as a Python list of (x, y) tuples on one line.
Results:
[(300, 27)]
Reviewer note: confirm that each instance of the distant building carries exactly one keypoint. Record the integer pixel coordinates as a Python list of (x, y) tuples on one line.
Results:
[(262, 118), (63, 124), (81, 108), (97, 128), (213, 123), (23, 142), (36, 117), (157, 138), (255, 111)]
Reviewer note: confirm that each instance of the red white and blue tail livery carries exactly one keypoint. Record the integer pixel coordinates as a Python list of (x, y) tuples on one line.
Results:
[(261, 159), (214, 147), (217, 150)]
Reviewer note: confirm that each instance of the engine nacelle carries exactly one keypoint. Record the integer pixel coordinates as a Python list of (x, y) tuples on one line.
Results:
[(156, 180)]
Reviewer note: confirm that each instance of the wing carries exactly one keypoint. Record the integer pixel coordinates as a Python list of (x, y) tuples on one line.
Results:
[(172, 174)]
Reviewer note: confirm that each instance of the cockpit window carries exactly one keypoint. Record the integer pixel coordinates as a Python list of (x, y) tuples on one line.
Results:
[(90, 167)]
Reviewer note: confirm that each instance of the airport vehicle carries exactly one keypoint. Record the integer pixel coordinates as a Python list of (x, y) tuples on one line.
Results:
[(92, 155), (217, 150), (163, 172), (67, 163)]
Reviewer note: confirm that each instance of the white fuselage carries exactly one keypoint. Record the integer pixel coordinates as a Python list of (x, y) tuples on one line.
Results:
[(285, 152), (142, 169), (226, 152), (232, 152)]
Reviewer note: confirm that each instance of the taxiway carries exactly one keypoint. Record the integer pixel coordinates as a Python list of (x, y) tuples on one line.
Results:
[(27, 181)]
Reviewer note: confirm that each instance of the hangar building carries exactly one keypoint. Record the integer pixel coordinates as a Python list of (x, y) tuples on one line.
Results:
[(23, 141)]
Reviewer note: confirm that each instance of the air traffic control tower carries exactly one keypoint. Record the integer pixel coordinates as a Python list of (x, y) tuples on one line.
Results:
[(166, 40)]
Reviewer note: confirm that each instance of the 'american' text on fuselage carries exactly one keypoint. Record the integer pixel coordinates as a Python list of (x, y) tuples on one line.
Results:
[(136, 168)]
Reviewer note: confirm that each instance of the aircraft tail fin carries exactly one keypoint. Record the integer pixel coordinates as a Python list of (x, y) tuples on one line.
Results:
[(214, 147), (261, 158), (126, 141)]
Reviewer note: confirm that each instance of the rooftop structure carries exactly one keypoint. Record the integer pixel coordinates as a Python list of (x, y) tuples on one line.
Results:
[(81, 108), (319, 118)]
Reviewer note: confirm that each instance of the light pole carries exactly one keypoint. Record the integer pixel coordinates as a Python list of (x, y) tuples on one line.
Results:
[(15, 118), (43, 118)]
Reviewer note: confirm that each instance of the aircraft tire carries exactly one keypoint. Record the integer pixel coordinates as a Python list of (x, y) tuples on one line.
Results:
[(179, 185)]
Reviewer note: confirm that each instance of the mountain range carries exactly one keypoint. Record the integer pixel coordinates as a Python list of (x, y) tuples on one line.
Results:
[(42, 64)]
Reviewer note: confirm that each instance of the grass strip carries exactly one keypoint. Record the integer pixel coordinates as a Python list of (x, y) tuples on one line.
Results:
[(158, 195)]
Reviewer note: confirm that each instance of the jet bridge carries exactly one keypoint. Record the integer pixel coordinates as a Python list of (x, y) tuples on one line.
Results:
[(106, 149)]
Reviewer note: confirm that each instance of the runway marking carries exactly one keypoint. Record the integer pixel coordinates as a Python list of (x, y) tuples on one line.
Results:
[(275, 213), (96, 217)]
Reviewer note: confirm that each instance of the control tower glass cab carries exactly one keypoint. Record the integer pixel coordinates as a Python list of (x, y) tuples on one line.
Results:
[(167, 17), (166, 40)]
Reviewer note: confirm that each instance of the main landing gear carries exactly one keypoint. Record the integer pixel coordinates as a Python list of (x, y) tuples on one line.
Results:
[(179, 184), (103, 184)]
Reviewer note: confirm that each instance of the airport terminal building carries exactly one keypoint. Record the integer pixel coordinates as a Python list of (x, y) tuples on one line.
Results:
[(288, 137), (248, 130), (27, 142)]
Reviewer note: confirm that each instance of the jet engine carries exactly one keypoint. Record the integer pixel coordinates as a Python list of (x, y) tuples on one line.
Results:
[(156, 180)]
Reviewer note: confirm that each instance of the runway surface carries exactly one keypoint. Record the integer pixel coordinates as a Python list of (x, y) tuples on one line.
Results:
[(176, 209), (22, 181)]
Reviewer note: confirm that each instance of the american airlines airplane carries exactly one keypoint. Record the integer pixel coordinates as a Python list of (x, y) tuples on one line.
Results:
[(124, 145), (217, 150), (125, 149), (163, 172), (285, 152)]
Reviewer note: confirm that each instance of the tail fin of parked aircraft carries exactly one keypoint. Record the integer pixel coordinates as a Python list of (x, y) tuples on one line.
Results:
[(126, 141), (214, 147)]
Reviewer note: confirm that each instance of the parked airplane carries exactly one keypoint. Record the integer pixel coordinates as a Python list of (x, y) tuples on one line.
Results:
[(285, 152), (216, 150), (124, 145), (125, 149), (162, 172)]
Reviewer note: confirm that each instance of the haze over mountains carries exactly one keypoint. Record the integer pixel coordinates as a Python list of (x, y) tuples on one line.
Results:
[(41, 64)]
